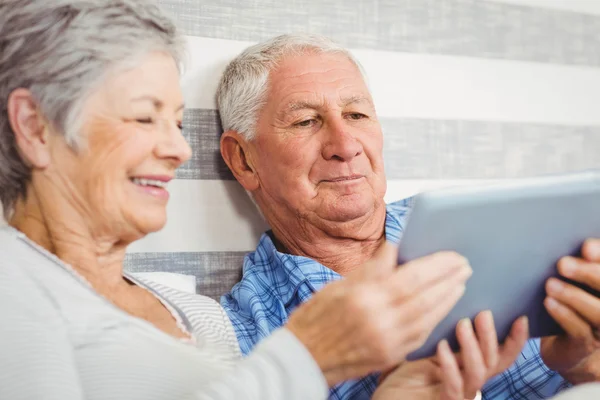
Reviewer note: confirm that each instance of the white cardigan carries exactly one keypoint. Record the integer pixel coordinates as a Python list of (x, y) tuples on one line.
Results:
[(59, 339)]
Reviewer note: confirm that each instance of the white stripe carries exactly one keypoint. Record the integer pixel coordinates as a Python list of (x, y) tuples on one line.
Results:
[(205, 216), (436, 86), (581, 6), (399, 189), (218, 216)]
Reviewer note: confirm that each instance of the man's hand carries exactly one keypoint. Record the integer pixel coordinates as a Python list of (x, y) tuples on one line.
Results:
[(456, 377), (575, 355)]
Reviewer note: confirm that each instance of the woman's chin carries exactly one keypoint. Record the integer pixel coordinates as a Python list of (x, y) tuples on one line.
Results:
[(147, 223), (154, 225)]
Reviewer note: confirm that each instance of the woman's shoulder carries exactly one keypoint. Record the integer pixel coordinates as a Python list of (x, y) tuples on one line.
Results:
[(15, 258), (17, 251), (8, 239), (22, 293), (22, 261)]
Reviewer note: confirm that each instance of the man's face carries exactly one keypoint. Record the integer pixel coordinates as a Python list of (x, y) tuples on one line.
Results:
[(318, 145)]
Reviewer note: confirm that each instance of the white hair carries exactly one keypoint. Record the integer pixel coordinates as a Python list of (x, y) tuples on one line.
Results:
[(61, 50), (243, 87)]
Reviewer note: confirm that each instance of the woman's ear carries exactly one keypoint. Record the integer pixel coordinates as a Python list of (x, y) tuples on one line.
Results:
[(29, 127), (234, 150)]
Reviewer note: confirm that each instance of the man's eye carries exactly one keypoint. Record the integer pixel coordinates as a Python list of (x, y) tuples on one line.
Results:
[(357, 116), (306, 123)]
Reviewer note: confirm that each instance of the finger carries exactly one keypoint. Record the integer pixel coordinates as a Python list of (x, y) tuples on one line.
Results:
[(568, 319), (591, 250), (429, 296), (421, 314), (583, 303), (488, 339), (513, 345), (428, 271), (474, 369), (452, 382), (580, 270)]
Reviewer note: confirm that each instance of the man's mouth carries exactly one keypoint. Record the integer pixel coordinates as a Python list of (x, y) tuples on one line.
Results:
[(345, 178)]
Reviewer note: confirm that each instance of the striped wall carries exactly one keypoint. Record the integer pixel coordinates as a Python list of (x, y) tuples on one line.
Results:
[(468, 91)]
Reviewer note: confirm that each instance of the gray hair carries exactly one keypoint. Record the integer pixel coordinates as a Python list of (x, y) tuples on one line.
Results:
[(243, 87), (61, 50)]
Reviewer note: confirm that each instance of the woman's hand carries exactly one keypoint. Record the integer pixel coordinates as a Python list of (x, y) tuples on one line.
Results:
[(372, 319)]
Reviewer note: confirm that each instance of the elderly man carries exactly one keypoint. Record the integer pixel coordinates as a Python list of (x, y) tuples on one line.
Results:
[(302, 136)]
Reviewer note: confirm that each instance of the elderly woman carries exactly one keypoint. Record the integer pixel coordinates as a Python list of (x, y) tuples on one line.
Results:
[(90, 136)]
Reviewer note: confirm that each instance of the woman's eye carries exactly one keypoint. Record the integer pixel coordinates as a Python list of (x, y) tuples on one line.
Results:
[(145, 120)]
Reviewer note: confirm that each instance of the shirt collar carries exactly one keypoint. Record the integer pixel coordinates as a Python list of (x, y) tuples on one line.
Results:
[(286, 272)]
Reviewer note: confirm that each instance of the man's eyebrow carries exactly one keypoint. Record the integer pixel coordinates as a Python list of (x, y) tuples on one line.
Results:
[(315, 105), (346, 101), (302, 105), (296, 106)]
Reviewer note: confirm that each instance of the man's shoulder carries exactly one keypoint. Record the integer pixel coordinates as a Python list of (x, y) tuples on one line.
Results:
[(254, 304), (256, 288), (258, 267), (400, 208), (396, 216)]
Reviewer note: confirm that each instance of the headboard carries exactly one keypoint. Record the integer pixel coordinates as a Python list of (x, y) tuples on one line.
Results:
[(466, 90)]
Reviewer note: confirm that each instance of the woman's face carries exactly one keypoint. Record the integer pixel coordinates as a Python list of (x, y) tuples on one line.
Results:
[(131, 146)]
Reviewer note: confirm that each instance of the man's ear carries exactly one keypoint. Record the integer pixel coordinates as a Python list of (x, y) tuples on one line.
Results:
[(30, 128), (234, 150)]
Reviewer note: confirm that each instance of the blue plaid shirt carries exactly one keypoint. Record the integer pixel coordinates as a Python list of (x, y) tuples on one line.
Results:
[(528, 378), (275, 283)]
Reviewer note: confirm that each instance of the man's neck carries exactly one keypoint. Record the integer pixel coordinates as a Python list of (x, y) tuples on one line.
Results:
[(63, 232), (342, 247)]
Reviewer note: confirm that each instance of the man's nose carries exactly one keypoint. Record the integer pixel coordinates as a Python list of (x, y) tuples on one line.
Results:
[(341, 144)]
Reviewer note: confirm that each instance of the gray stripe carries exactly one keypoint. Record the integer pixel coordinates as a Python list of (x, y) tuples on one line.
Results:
[(444, 149), (202, 129), (436, 149), (471, 28), (216, 272)]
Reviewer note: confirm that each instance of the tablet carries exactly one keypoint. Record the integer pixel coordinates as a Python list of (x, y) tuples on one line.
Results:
[(513, 233)]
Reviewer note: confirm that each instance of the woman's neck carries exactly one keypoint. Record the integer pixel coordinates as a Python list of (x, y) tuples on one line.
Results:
[(63, 232)]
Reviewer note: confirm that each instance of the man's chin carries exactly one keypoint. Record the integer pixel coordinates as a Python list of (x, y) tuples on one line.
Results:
[(342, 212)]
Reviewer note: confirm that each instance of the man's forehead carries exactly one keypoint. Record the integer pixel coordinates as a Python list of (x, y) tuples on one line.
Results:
[(315, 100), (306, 67), (314, 80)]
